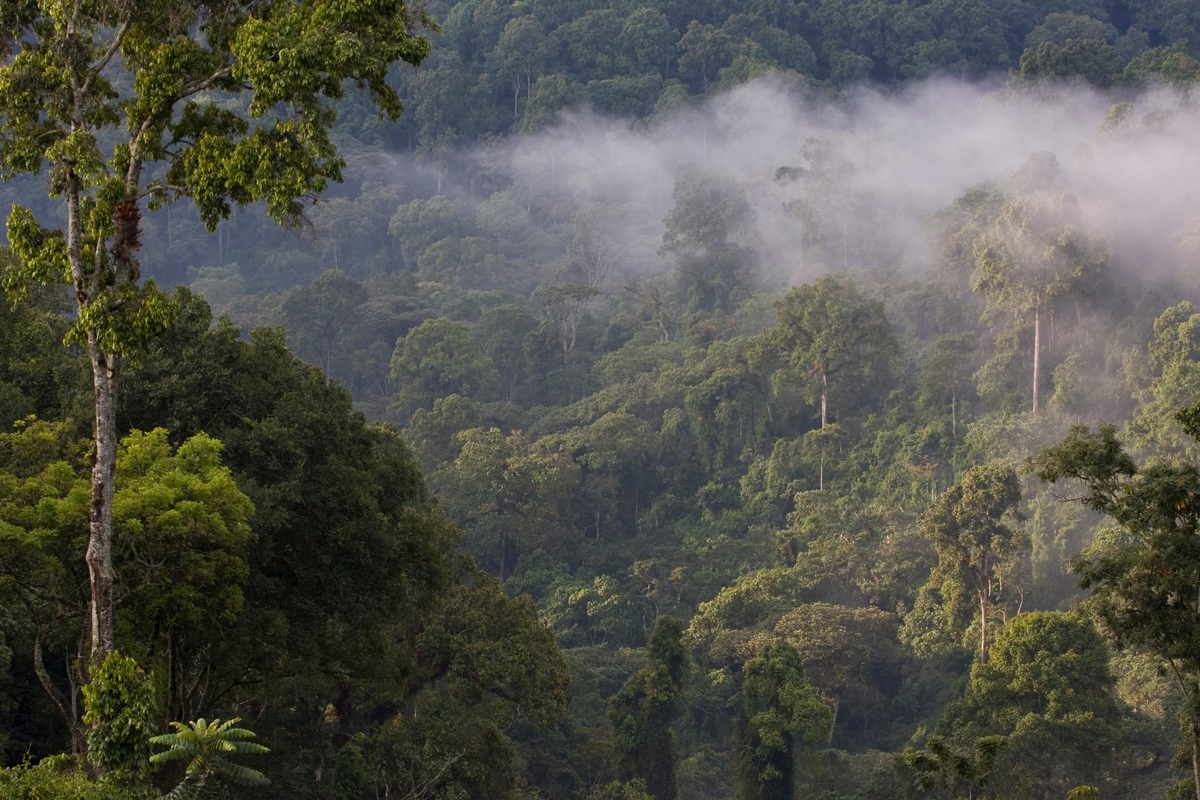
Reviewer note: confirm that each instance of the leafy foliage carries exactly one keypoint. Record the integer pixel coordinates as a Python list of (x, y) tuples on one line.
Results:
[(210, 750)]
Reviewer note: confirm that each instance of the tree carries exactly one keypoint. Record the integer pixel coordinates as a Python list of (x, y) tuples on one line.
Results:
[(976, 547), (1048, 691), (843, 650), (519, 54), (708, 231), (828, 328), (181, 534), (643, 710), (437, 358), (317, 314), (510, 496), (777, 714), (647, 39), (703, 50), (119, 704), (1092, 60), (940, 765), (117, 98), (1144, 575), (1035, 253)]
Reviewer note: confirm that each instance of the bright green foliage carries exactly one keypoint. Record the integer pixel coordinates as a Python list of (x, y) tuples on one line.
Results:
[(645, 708), (64, 778), (132, 102), (209, 748), (119, 708), (183, 528), (778, 714), (182, 531), (1047, 689)]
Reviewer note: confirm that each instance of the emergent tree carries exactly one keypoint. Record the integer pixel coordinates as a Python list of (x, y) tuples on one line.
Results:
[(119, 99)]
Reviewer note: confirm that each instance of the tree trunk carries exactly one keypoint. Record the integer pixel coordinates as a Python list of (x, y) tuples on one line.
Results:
[(105, 368), (1195, 727), (833, 707), (983, 591), (1037, 350), (953, 413), (66, 706), (824, 398)]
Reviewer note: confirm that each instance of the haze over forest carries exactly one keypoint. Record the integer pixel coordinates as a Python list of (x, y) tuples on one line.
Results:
[(694, 400)]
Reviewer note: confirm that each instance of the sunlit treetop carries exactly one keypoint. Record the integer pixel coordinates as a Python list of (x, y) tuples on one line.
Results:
[(235, 99)]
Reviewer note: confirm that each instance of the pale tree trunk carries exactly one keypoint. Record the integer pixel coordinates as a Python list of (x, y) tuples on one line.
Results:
[(824, 397), (984, 591), (1037, 350), (833, 706), (99, 552), (105, 368), (983, 623), (954, 412)]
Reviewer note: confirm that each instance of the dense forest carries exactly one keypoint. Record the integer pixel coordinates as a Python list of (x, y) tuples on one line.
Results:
[(639, 399)]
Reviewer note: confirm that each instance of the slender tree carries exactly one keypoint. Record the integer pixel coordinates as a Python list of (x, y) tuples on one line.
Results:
[(778, 713), (976, 547), (643, 710), (829, 328), (117, 98)]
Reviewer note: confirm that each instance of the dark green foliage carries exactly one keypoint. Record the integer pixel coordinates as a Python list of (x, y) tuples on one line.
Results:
[(644, 710), (1142, 575), (778, 717)]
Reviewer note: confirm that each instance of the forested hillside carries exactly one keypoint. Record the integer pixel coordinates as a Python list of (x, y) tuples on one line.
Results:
[(677, 400)]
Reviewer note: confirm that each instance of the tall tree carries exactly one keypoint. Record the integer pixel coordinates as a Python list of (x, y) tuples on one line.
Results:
[(1035, 253), (976, 547), (829, 328), (1145, 574), (116, 98), (708, 231), (778, 714), (643, 710)]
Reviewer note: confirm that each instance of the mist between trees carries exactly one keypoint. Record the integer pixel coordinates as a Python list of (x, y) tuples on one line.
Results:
[(729, 452)]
